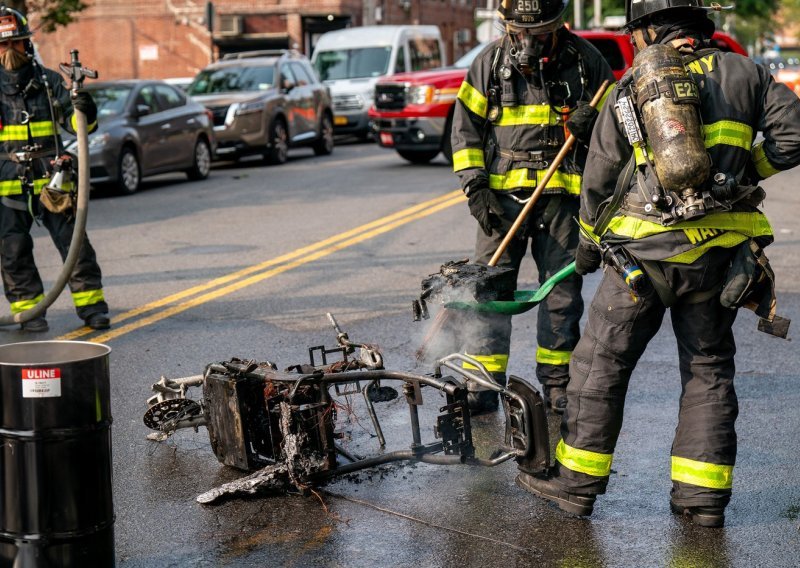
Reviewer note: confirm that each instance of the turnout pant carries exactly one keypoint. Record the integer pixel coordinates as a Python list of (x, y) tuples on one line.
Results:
[(21, 281), (616, 334), (553, 236)]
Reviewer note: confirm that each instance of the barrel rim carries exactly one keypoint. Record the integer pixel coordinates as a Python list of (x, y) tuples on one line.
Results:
[(106, 350)]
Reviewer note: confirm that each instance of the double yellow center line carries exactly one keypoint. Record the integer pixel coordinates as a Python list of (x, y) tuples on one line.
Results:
[(214, 289)]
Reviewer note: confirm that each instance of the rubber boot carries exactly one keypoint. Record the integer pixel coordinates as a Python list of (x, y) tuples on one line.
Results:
[(712, 517), (484, 401), (555, 398), (36, 325), (546, 488)]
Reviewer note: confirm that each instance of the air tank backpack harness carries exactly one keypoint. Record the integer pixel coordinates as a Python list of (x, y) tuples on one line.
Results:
[(675, 183)]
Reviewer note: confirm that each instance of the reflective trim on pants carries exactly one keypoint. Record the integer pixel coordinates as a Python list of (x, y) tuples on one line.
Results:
[(702, 474), (22, 305), (493, 363), (584, 461), (552, 357), (87, 298)]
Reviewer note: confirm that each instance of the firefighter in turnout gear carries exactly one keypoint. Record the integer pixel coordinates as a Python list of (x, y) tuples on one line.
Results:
[(696, 248), (514, 109), (33, 103)]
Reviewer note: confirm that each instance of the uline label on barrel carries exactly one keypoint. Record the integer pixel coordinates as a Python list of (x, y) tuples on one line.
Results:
[(41, 383)]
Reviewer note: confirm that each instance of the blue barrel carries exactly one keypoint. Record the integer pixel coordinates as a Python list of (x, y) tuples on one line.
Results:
[(56, 507)]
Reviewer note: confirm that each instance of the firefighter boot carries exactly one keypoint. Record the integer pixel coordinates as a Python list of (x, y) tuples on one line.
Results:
[(36, 325), (483, 401), (713, 517), (98, 321), (546, 488), (555, 398)]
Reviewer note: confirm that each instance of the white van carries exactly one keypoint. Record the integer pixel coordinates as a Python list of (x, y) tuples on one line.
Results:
[(350, 62)]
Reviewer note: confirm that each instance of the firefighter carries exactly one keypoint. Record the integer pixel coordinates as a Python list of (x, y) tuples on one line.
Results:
[(512, 113), (691, 249), (33, 104)]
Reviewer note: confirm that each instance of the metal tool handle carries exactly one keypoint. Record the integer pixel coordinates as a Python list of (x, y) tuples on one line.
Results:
[(76, 72), (540, 188)]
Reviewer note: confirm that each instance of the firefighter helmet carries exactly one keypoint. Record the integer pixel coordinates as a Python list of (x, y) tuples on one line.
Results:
[(636, 11), (13, 25), (535, 16)]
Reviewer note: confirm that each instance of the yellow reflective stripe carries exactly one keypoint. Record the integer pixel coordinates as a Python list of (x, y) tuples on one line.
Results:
[(728, 132), (14, 132), (751, 224), (605, 95), (589, 229), (473, 99), (551, 357), (43, 128), (583, 461), (468, 158), (22, 305), (640, 152), (87, 298), (73, 120), (493, 363), (535, 115), (514, 179), (764, 168), (633, 273), (702, 474), (14, 186), (725, 240)]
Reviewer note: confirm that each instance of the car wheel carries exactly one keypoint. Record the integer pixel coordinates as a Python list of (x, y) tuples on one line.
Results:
[(418, 156), (324, 145), (129, 174), (447, 142), (278, 152), (202, 161)]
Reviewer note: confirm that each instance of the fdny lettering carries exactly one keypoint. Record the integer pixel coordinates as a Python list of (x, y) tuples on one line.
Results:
[(41, 374), (703, 65), (696, 236)]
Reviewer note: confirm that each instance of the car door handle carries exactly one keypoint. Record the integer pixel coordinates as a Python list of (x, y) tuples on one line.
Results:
[(166, 126)]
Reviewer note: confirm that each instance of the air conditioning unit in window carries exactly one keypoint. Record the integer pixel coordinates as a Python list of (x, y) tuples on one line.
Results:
[(230, 24)]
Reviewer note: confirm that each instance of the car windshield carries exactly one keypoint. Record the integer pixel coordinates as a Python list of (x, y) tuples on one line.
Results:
[(353, 63), (232, 79), (466, 60), (110, 101)]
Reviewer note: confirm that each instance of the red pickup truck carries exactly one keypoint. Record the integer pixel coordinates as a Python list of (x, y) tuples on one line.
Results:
[(413, 111)]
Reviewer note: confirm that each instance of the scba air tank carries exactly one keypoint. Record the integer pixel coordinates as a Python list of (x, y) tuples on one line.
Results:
[(668, 102)]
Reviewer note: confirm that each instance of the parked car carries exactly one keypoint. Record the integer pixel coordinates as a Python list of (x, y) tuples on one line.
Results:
[(146, 128), (264, 102), (413, 112), (350, 62)]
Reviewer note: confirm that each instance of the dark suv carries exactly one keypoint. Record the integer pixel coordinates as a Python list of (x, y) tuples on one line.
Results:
[(264, 102)]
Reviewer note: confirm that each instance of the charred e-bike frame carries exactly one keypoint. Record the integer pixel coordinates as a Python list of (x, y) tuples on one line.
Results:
[(258, 417)]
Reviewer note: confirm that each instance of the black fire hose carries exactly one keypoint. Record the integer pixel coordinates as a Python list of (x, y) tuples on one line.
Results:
[(77, 234)]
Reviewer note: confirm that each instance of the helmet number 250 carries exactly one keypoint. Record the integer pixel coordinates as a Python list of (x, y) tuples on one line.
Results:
[(527, 5)]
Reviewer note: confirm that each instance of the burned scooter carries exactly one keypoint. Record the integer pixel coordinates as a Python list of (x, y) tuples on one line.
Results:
[(282, 424)]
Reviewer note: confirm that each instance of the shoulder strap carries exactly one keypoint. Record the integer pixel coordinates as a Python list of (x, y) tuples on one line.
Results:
[(623, 183)]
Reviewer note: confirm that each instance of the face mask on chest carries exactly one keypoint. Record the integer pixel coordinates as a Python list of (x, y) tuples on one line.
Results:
[(11, 59)]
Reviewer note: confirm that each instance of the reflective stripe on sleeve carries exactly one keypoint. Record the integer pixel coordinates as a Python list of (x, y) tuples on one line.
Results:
[(473, 99), (551, 357), (702, 474), (584, 461), (764, 168), (609, 89), (728, 132), (493, 363), (22, 305), (87, 298), (468, 158)]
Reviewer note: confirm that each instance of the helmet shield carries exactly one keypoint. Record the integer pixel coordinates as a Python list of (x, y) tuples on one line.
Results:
[(13, 25), (636, 11), (533, 16)]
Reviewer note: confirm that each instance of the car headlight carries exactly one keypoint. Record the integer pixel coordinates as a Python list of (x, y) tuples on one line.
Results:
[(420, 94), (238, 109), (97, 140)]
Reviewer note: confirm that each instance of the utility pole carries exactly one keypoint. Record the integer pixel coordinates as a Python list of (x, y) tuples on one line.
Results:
[(210, 26), (577, 14)]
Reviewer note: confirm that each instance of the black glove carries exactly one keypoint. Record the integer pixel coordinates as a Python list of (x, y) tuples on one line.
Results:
[(587, 258), (581, 122), (484, 206), (83, 102)]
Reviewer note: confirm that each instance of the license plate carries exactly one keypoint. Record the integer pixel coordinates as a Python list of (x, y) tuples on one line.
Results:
[(340, 120), (387, 139)]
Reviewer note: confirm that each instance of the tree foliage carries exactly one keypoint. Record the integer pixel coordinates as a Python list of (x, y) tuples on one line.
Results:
[(50, 13)]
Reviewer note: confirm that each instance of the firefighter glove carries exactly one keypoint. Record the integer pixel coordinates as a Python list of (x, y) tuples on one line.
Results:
[(581, 122), (83, 102), (587, 258), (484, 206)]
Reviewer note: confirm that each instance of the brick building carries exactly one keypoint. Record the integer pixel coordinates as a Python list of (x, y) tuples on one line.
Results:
[(170, 38)]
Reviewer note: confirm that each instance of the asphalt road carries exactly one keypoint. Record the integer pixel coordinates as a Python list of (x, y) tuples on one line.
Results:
[(247, 263)]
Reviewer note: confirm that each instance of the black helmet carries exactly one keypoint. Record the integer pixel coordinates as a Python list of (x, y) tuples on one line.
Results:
[(13, 25), (637, 10), (536, 16)]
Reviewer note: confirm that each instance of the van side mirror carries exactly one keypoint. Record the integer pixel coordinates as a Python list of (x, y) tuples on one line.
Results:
[(142, 110), (287, 85)]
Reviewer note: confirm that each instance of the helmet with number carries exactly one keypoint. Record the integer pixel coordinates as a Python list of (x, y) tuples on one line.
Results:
[(13, 25), (637, 12), (534, 16)]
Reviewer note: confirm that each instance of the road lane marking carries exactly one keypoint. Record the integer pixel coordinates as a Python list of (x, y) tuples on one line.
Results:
[(262, 271)]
